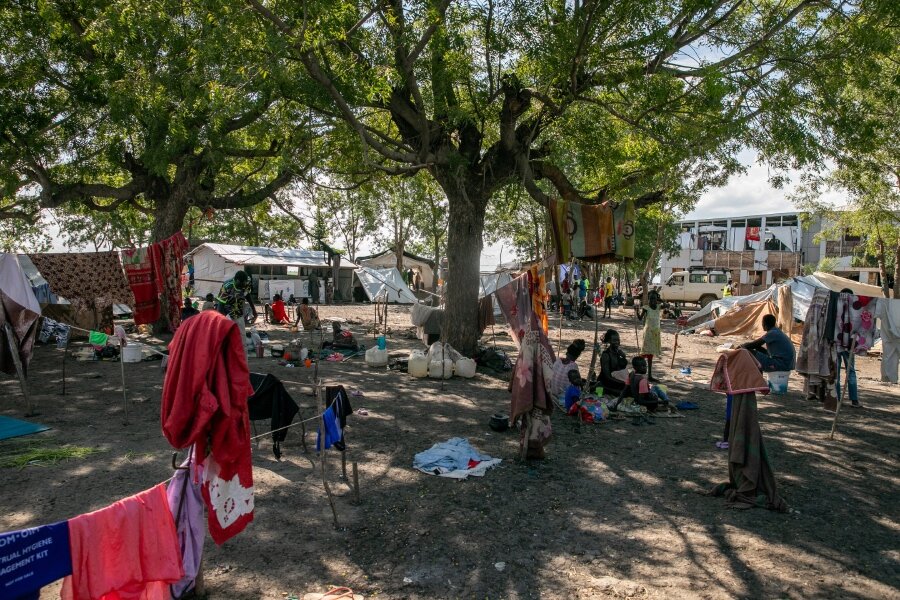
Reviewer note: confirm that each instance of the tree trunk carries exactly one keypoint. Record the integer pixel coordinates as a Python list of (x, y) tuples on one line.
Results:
[(437, 265), (896, 273), (645, 276), (882, 265), (464, 243)]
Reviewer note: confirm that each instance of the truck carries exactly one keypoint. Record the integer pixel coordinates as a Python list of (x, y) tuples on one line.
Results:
[(699, 286)]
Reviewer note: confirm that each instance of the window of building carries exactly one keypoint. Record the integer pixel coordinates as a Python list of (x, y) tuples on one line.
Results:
[(850, 238), (754, 222), (739, 222), (295, 271), (789, 221), (699, 278)]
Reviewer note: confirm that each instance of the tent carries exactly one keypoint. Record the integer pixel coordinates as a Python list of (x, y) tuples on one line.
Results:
[(19, 313), (385, 285), (712, 316), (387, 259)]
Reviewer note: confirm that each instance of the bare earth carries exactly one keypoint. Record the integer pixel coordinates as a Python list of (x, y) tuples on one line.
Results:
[(614, 511)]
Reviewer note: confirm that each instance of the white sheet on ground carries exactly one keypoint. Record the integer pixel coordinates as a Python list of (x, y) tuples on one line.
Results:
[(452, 458)]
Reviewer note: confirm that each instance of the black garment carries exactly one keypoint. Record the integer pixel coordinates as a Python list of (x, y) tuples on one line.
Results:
[(337, 395), (271, 400), (831, 316), (188, 312), (611, 361)]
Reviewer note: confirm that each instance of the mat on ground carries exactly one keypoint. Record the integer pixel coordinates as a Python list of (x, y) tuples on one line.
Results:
[(10, 428)]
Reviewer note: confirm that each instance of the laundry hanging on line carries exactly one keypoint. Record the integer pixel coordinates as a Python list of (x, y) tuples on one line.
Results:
[(591, 232)]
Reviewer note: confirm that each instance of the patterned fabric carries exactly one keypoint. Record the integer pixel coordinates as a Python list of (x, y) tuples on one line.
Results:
[(86, 279), (560, 380), (168, 263), (583, 231), (534, 365), (816, 355), (138, 265)]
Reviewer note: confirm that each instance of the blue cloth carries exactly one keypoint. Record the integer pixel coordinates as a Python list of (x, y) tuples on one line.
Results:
[(664, 397), (780, 351), (32, 558), (849, 362), (452, 455), (572, 396), (332, 429), (10, 428), (685, 405)]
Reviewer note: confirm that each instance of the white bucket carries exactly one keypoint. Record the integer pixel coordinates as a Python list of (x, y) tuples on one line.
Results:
[(440, 369), (465, 367), (132, 353), (778, 382), (376, 357), (418, 364)]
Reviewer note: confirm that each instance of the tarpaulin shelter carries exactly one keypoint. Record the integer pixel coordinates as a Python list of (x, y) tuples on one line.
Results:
[(385, 285), (19, 313), (753, 306)]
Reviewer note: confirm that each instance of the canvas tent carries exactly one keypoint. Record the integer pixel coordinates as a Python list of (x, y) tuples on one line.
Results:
[(387, 259), (739, 315), (385, 285), (19, 313), (214, 263)]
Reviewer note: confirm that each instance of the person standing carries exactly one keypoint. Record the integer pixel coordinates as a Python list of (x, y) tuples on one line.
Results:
[(609, 291), (314, 291), (652, 346), (232, 299)]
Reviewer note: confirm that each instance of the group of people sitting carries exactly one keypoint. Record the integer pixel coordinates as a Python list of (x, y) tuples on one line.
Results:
[(616, 379)]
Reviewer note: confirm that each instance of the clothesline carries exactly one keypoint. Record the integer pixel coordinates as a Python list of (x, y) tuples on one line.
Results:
[(88, 331), (317, 417)]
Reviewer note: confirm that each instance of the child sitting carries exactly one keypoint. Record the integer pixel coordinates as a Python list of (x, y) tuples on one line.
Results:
[(573, 392), (638, 387), (341, 339)]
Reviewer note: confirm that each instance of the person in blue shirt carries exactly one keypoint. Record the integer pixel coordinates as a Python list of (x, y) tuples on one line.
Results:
[(573, 392), (779, 352)]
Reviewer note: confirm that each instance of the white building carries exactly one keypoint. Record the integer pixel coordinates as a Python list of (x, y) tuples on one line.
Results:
[(759, 250)]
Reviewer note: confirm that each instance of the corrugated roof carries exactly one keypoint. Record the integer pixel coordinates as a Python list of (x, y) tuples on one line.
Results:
[(256, 255)]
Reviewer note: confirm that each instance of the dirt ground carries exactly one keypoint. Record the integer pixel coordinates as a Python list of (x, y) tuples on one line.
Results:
[(615, 510)]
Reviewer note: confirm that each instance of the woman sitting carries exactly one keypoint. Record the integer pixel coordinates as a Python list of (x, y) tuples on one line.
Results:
[(562, 366), (307, 315), (613, 364), (279, 315)]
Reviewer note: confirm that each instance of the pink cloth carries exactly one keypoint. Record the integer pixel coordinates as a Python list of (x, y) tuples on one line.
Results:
[(737, 372), (126, 551)]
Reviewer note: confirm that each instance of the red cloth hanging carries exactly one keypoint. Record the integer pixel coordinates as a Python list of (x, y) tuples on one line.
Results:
[(753, 234), (204, 402)]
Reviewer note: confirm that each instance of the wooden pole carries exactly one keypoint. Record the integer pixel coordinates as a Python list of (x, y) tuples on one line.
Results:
[(320, 403), (846, 386), (122, 364), (356, 482), (65, 354), (674, 350), (14, 351)]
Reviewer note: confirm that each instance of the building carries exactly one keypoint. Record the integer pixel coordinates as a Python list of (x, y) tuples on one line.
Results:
[(288, 270), (758, 250)]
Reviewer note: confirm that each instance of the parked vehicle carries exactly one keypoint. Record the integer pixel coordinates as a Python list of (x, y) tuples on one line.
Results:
[(699, 286)]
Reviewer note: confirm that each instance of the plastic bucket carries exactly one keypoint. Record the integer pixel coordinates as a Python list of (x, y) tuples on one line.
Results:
[(131, 353), (778, 382), (382, 342)]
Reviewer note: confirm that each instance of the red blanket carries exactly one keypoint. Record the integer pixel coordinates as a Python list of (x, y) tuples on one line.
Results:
[(139, 270), (204, 401)]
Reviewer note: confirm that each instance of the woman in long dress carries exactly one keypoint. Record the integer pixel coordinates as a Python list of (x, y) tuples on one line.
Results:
[(652, 345)]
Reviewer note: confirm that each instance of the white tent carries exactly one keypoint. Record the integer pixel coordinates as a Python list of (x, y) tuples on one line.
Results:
[(385, 285)]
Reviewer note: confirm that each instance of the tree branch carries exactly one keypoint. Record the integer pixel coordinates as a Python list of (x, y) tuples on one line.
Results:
[(242, 199)]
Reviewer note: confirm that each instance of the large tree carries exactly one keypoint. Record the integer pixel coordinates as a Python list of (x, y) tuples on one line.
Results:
[(490, 93), (852, 145), (158, 106)]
